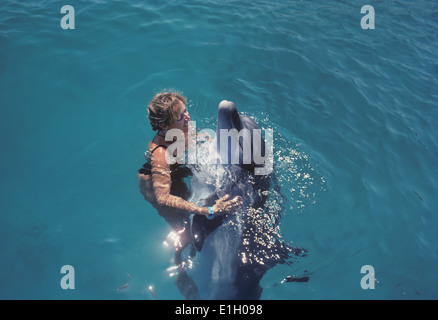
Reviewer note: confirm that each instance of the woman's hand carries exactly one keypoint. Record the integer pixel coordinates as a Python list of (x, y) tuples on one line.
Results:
[(223, 205)]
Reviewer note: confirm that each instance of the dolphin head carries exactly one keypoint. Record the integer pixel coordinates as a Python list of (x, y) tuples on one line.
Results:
[(235, 141)]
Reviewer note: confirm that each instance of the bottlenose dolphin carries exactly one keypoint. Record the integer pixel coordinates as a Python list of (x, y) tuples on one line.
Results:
[(230, 254)]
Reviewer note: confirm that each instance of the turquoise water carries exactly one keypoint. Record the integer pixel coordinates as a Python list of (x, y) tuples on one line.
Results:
[(354, 115)]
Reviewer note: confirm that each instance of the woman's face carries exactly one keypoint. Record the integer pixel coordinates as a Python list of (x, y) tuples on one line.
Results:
[(182, 121)]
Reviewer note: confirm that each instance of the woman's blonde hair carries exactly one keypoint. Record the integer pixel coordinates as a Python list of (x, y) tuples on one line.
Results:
[(164, 109)]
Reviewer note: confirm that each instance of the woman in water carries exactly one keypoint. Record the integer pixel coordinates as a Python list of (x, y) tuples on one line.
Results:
[(168, 111), (163, 184)]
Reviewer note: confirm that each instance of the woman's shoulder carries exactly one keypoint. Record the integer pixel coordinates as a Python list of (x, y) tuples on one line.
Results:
[(157, 152), (155, 146)]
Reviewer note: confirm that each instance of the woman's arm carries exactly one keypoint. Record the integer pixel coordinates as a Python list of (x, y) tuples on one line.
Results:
[(161, 181)]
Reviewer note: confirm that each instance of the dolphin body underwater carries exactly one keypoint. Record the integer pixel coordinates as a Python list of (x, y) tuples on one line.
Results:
[(229, 254)]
